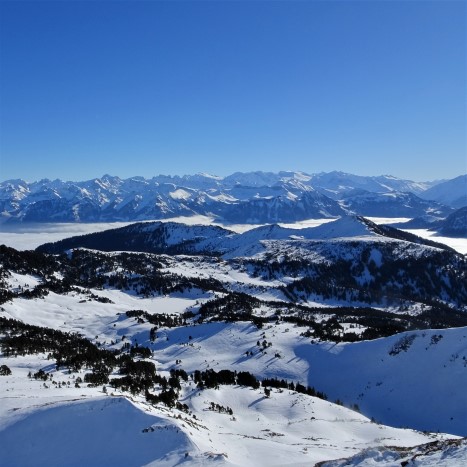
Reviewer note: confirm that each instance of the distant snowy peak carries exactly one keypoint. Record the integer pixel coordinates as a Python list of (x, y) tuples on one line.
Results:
[(347, 226), (252, 179)]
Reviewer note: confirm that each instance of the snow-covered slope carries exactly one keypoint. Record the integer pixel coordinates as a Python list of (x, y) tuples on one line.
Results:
[(43, 423), (57, 427), (394, 373)]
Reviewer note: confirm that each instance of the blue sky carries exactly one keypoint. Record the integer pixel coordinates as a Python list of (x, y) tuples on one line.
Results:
[(151, 87)]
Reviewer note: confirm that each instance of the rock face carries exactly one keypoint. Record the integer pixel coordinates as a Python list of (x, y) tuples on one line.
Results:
[(257, 197)]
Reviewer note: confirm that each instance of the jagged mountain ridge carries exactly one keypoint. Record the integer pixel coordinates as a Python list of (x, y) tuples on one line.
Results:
[(241, 197)]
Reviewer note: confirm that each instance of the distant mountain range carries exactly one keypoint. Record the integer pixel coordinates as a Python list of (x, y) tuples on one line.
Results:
[(256, 197)]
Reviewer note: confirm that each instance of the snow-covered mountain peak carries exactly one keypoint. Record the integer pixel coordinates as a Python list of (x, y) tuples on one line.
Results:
[(346, 226)]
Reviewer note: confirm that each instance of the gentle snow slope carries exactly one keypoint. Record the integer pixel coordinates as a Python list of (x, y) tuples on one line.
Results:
[(98, 432)]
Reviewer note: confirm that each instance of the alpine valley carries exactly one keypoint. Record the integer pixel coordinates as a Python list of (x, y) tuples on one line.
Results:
[(165, 343)]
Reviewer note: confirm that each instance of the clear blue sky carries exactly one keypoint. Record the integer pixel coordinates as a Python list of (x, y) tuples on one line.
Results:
[(150, 87)]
